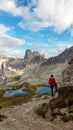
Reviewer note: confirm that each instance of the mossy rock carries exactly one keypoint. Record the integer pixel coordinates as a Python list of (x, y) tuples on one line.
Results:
[(66, 117), (56, 112), (1, 92), (65, 98), (65, 91), (71, 109), (31, 88), (41, 111), (21, 85), (57, 103), (2, 117), (17, 77)]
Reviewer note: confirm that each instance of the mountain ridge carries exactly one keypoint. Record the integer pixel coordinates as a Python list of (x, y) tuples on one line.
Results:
[(38, 69), (61, 58)]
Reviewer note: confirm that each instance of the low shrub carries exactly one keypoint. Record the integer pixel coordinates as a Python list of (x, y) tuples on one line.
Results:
[(71, 109), (66, 117), (2, 117), (41, 111)]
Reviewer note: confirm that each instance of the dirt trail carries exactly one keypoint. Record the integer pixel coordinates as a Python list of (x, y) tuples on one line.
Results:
[(23, 118)]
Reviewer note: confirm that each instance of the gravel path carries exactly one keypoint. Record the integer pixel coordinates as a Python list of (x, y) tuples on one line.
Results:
[(23, 118)]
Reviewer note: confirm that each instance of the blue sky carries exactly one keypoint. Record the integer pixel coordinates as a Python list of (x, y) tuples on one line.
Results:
[(39, 25)]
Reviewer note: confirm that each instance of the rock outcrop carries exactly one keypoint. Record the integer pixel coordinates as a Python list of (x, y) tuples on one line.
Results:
[(33, 57), (30, 55), (15, 63), (67, 75), (37, 59)]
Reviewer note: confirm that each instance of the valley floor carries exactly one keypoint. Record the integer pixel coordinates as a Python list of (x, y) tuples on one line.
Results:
[(22, 117)]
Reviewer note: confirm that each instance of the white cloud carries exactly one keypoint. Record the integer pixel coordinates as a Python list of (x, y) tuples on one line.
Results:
[(55, 49), (34, 46), (56, 13), (8, 43), (62, 46), (11, 52), (72, 32), (4, 29), (49, 52), (33, 25), (10, 7)]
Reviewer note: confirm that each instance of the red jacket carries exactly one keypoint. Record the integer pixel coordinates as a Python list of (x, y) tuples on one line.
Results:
[(52, 81)]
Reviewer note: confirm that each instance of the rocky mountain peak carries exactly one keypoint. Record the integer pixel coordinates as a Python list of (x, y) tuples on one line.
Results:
[(37, 59), (29, 55), (36, 53)]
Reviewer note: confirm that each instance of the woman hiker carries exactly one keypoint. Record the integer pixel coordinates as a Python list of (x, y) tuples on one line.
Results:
[(53, 84)]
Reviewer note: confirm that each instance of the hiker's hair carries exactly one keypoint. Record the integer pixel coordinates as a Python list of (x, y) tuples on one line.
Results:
[(52, 76)]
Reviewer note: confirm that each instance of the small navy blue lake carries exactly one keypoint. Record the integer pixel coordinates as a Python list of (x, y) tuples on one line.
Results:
[(12, 93)]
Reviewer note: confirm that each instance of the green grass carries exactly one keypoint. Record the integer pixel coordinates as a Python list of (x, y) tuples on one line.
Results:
[(13, 101)]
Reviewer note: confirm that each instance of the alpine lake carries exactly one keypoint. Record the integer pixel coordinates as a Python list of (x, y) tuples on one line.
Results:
[(22, 94)]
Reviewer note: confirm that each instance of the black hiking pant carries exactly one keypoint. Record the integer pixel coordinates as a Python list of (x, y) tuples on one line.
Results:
[(52, 89)]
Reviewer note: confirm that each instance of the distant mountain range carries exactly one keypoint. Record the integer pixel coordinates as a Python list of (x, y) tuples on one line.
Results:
[(35, 57), (36, 69)]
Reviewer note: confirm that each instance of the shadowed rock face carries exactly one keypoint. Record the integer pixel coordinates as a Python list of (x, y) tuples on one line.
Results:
[(67, 75), (33, 57), (37, 59), (29, 54)]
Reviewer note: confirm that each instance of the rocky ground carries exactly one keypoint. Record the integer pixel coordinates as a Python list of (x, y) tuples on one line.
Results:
[(23, 117), (33, 75)]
